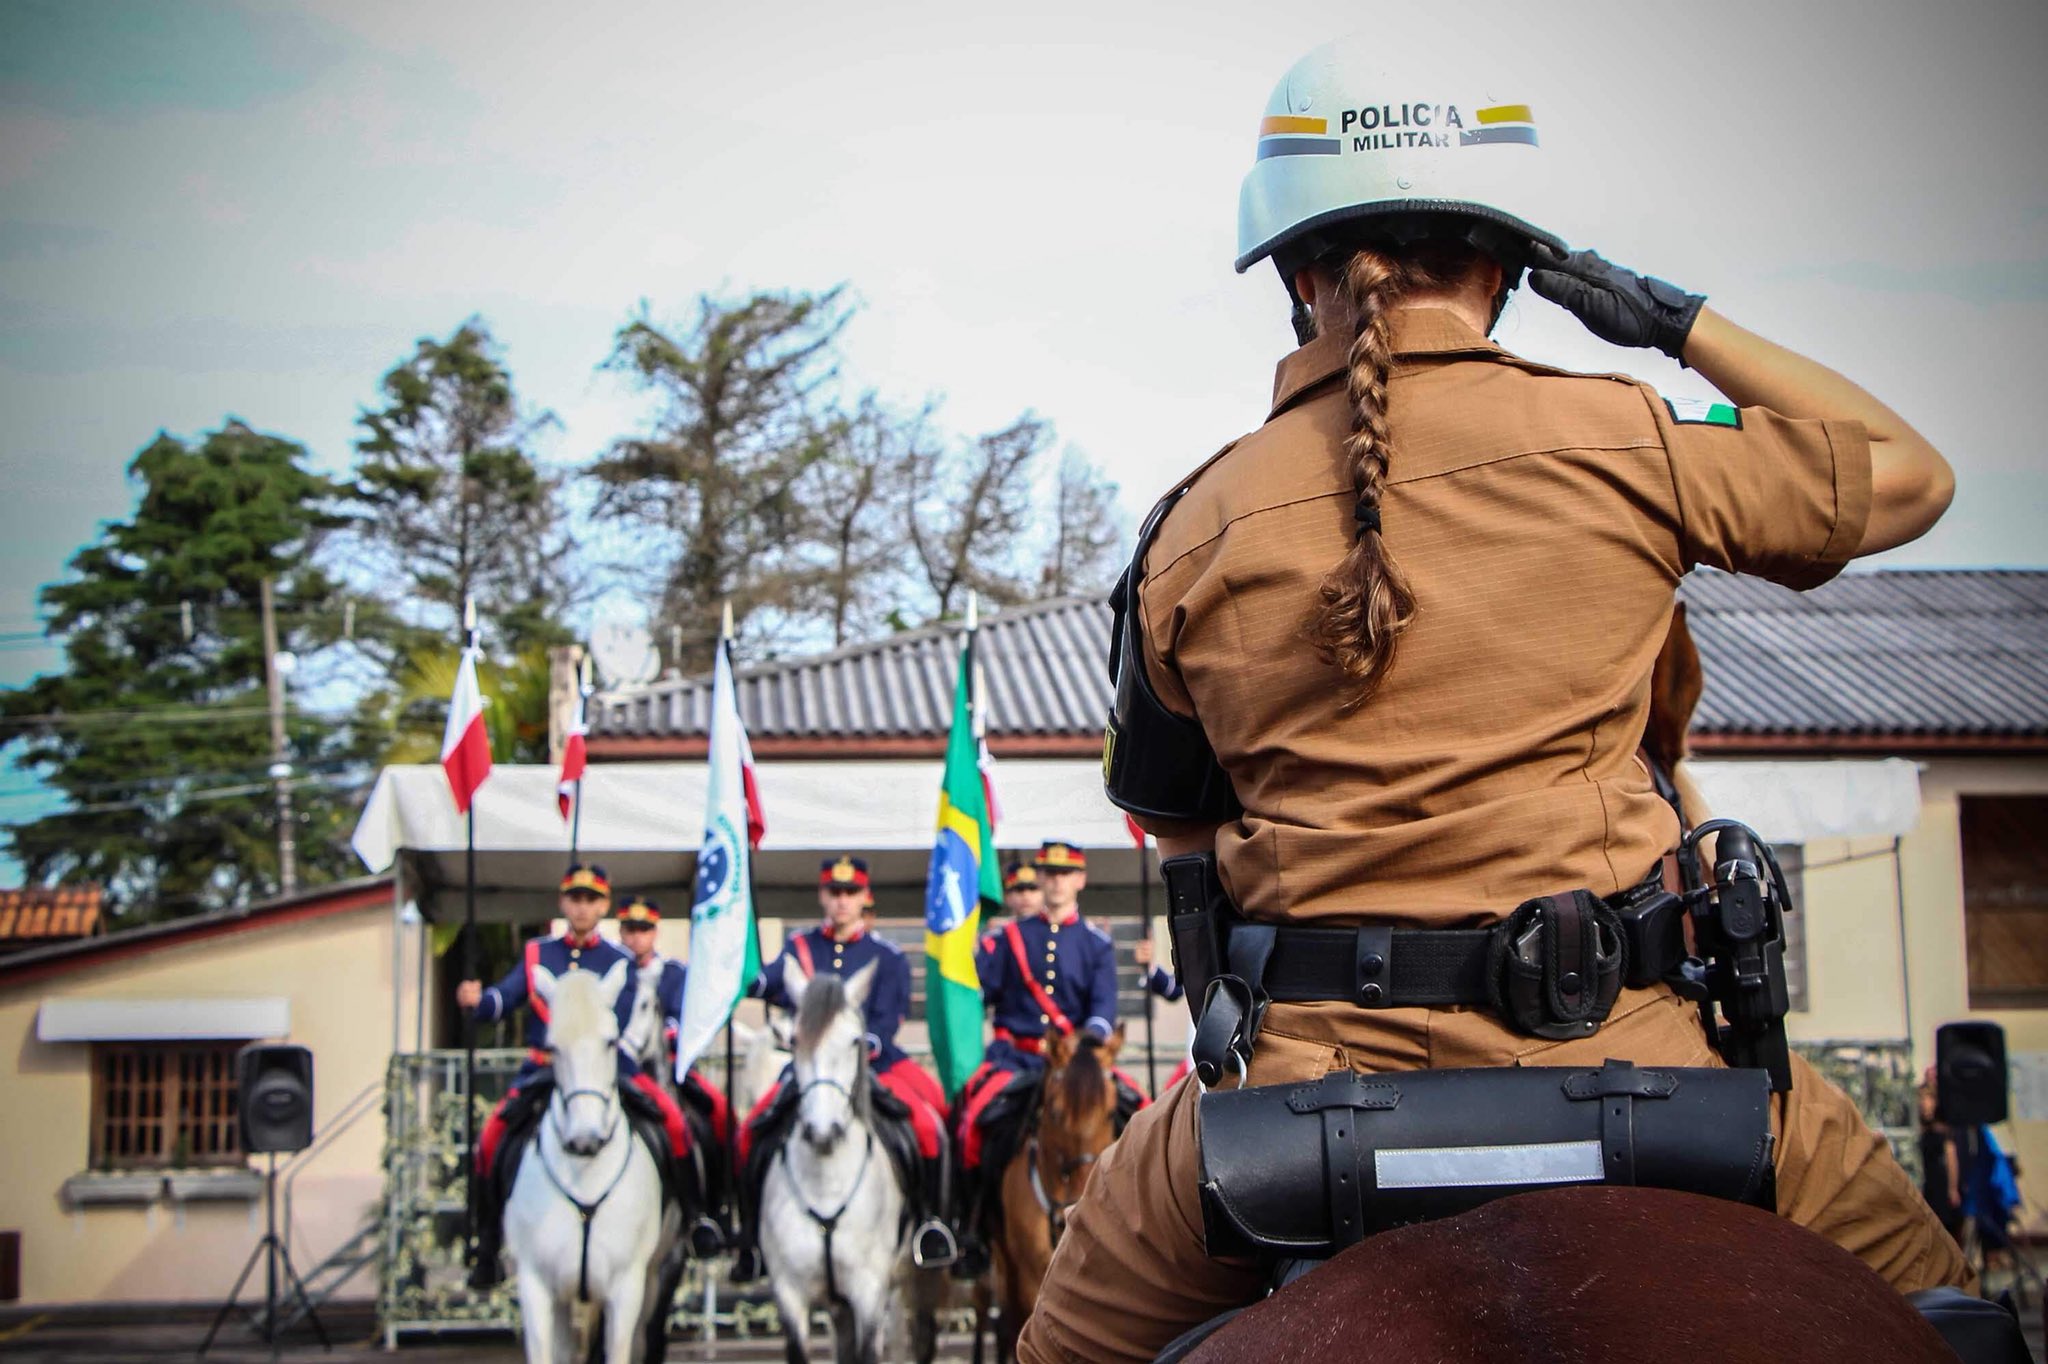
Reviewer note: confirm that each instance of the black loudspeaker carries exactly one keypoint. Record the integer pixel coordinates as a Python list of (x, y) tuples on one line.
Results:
[(1970, 1085), (275, 1082)]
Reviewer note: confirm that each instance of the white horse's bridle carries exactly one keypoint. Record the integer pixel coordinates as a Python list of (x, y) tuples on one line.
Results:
[(586, 1211), (827, 1223)]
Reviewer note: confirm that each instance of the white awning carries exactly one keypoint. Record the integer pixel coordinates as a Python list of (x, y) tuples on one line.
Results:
[(643, 821), (1798, 802), (163, 1020)]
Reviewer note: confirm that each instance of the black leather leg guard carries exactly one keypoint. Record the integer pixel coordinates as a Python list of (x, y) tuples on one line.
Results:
[(932, 1244), (972, 1261), (1979, 1332), (488, 1271)]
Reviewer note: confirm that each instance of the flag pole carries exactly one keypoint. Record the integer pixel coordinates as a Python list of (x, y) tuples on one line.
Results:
[(1145, 915), (469, 972), (583, 690), (732, 1165)]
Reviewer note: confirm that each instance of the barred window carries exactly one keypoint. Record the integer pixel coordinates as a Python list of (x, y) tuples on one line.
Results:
[(169, 1105), (2005, 900)]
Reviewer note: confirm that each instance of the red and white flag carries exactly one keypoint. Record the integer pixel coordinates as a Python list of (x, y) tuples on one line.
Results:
[(757, 822), (574, 759), (466, 744)]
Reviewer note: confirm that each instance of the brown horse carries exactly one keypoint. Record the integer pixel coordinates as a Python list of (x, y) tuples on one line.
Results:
[(1588, 1276), (1072, 1123)]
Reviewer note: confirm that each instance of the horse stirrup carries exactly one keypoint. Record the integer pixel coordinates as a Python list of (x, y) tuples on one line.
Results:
[(943, 1257)]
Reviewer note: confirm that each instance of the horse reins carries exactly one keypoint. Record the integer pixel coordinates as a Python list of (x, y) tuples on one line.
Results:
[(1055, 1213), (828, 1223), (586, 1211)]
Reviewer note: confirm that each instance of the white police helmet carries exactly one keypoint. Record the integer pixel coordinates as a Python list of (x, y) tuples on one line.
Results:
[(1360, 142)]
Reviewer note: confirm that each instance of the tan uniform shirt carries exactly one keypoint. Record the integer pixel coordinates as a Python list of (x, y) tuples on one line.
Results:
[(1543, 519)]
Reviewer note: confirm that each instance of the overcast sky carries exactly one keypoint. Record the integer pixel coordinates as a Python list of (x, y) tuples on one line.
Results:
[(210, 209)]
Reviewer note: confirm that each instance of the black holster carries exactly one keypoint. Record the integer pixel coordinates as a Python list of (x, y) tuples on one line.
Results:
[(1306, 1170)]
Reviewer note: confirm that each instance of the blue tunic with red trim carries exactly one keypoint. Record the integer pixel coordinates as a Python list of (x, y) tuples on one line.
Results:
[(668, 993), (817, 950), (1030, 964), (558, 956)]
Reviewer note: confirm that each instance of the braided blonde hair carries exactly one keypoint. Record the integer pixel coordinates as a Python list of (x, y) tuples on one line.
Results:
[(1365, 603)]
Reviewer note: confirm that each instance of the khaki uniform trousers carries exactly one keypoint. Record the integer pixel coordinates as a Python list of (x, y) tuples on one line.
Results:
[(1130, 1273)]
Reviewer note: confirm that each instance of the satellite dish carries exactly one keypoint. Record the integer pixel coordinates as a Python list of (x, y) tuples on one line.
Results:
[(624, 652)]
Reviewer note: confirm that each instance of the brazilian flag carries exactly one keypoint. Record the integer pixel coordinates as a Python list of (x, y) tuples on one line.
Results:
[(963, 878)]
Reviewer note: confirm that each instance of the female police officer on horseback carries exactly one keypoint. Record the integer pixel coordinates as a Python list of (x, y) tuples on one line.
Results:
[(1389, 658)]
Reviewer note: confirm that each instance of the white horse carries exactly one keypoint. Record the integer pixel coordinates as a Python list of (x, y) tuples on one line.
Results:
[(831, 1209), (587, 1222), (764, 1054)]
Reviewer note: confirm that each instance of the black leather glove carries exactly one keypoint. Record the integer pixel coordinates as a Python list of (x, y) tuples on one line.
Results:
[(1617, 304)]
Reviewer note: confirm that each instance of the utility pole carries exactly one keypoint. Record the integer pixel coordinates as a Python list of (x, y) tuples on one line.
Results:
[(280, 764)]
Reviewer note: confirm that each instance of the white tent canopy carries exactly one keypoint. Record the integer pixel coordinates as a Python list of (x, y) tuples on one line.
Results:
[(643, 821)]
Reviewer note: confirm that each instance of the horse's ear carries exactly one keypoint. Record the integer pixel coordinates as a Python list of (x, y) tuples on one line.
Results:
[(859, 984), (1059, 1048), (794, 984), (1114, 1045), (544, 984), (615, 981)]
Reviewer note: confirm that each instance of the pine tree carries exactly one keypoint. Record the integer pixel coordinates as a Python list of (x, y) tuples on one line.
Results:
[(157, 730), (724, 472), (455, 504)]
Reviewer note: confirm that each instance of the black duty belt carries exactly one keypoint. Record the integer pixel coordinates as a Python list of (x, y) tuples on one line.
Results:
[(1553, 968), (1379, 968)]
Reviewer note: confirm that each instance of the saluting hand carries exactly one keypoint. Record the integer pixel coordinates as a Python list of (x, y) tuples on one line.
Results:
[(1617, 304), (469, 994)]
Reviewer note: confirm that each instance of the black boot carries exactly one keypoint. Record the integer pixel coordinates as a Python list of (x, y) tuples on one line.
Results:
[(487, 1271), (746, 1242), (971, 1261), (932, 1244), (704, 1236)]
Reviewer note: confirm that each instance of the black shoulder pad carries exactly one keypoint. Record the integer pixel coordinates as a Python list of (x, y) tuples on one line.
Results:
[(1154, 763)]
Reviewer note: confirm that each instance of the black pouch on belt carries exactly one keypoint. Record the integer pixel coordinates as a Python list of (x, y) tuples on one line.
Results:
[(1198, 918), (1558, 965)]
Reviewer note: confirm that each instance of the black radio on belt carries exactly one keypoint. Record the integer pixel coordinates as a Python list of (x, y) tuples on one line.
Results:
[(1739, 930)]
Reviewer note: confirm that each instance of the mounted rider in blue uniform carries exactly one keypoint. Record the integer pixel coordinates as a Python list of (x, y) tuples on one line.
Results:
[(1044, 971), (584, 899), (662, 977), (916, 1136)]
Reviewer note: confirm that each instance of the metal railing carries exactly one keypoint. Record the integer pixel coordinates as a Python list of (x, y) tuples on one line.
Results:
[(424, 1281), (364, 1102)]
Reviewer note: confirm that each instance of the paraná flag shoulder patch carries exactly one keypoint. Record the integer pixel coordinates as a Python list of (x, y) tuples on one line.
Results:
[(1703, 412)]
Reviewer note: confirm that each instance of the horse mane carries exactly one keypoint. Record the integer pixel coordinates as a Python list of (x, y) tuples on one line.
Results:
[(578, 1009), (824, 999), (1083, 1082)]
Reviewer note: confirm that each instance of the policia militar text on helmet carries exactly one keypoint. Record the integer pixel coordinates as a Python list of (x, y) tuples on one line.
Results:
[(1383, 671)]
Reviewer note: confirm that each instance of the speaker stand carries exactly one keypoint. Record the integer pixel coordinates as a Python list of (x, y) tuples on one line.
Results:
[(271, 1250)]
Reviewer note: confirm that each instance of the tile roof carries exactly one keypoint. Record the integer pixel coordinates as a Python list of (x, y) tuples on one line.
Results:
[(1042, 665), (1908, 653), (48, 913), (1931, 654)]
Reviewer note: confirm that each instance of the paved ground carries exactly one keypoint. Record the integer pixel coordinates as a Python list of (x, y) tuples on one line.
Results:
[(154, 1338), (158, 1337)]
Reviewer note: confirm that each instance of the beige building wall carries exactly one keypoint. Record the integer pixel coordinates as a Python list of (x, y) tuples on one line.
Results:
[(1863, 987), (337, 971)]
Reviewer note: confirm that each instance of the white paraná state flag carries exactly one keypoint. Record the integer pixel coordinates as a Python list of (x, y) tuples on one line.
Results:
[(725, 953)]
